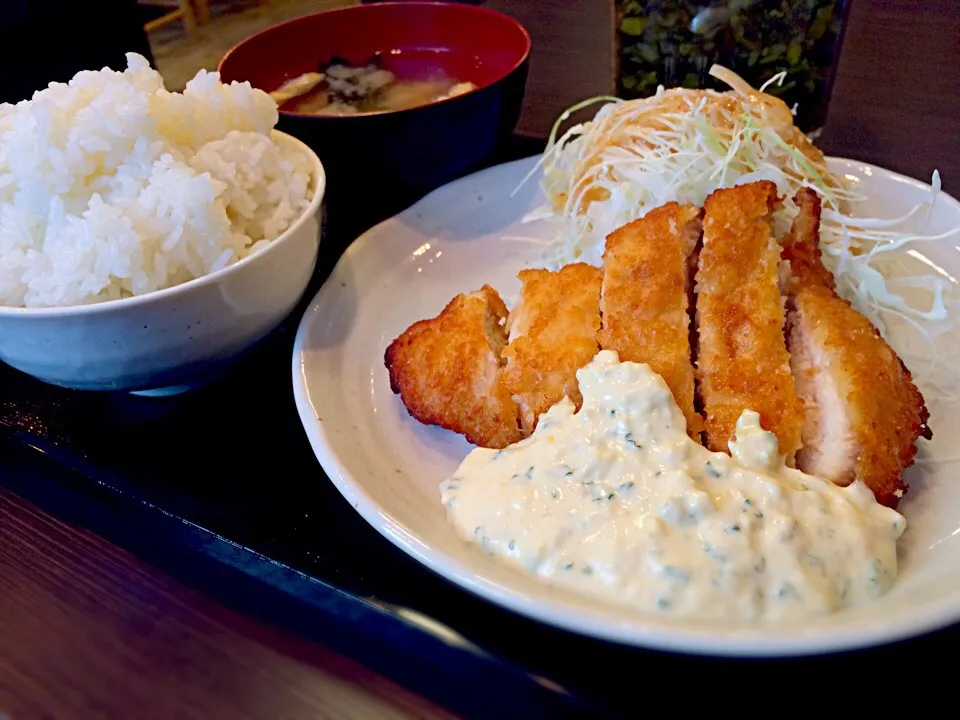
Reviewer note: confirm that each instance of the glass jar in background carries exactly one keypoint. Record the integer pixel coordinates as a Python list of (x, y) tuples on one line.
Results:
[(674, 42)]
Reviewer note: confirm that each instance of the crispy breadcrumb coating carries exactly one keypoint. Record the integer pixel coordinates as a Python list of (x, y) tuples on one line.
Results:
[(646, 298), (447, 370), (863, 412), (742, 356)]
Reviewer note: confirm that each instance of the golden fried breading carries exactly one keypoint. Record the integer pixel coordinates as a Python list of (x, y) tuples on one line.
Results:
[(645, 299), (801, 246), (742, 357), (863, 412), (447, 370), (553, 333)]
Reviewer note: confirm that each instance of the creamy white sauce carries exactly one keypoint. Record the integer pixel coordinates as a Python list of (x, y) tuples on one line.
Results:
[(615, 501)]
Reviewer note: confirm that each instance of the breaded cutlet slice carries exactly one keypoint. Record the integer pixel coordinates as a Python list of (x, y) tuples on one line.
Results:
[(863, 412), (553, 333), (645, 300), (447, 370), (742, 355), (801, 246)]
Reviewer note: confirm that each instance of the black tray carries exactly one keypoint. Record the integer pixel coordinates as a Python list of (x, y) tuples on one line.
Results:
[(220, 488)]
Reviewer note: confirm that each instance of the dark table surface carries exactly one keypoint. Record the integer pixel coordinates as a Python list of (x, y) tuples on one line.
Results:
[(232, 597)]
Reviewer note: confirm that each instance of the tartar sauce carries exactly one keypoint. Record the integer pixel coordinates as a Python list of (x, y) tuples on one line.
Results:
[(617, 502)]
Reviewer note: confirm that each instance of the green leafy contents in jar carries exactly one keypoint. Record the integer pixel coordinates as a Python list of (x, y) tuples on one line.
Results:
[(674, 43)]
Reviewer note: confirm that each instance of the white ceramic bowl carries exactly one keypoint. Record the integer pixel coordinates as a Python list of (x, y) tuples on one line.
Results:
[(174, 339)]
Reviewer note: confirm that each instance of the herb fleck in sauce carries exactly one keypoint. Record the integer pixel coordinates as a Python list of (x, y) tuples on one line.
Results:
[(623, 506)]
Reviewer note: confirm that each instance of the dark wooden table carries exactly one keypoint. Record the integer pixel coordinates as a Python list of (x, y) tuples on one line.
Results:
[(87, 630)]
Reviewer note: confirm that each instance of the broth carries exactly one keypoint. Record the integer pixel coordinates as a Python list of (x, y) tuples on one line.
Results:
[(343, 89)]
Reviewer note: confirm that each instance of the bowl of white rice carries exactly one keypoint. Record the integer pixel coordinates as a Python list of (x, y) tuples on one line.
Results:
[(147, 238)]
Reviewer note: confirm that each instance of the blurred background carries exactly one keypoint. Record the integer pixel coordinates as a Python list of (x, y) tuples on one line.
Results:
[(584, 48), (653, 42), (46, 40), (645, 42), (188, 35)]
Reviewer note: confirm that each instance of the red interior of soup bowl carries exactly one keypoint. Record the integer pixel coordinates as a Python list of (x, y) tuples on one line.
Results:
[(467, 43)]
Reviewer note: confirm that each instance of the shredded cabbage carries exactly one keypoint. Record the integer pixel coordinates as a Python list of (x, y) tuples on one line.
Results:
[(681, 145)]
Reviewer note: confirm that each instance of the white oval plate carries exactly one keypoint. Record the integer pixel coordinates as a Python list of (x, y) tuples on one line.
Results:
[(388, 466)]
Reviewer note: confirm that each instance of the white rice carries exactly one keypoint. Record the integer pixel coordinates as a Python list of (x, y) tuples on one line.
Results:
[(110, 186)]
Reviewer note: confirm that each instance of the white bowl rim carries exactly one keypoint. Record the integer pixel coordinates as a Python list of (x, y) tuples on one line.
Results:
[(211, 278)]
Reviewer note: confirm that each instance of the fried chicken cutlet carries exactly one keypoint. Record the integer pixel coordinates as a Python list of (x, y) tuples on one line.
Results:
[(645, 300), (553, 333), (742, 356), (863, 412), (447, 370)]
